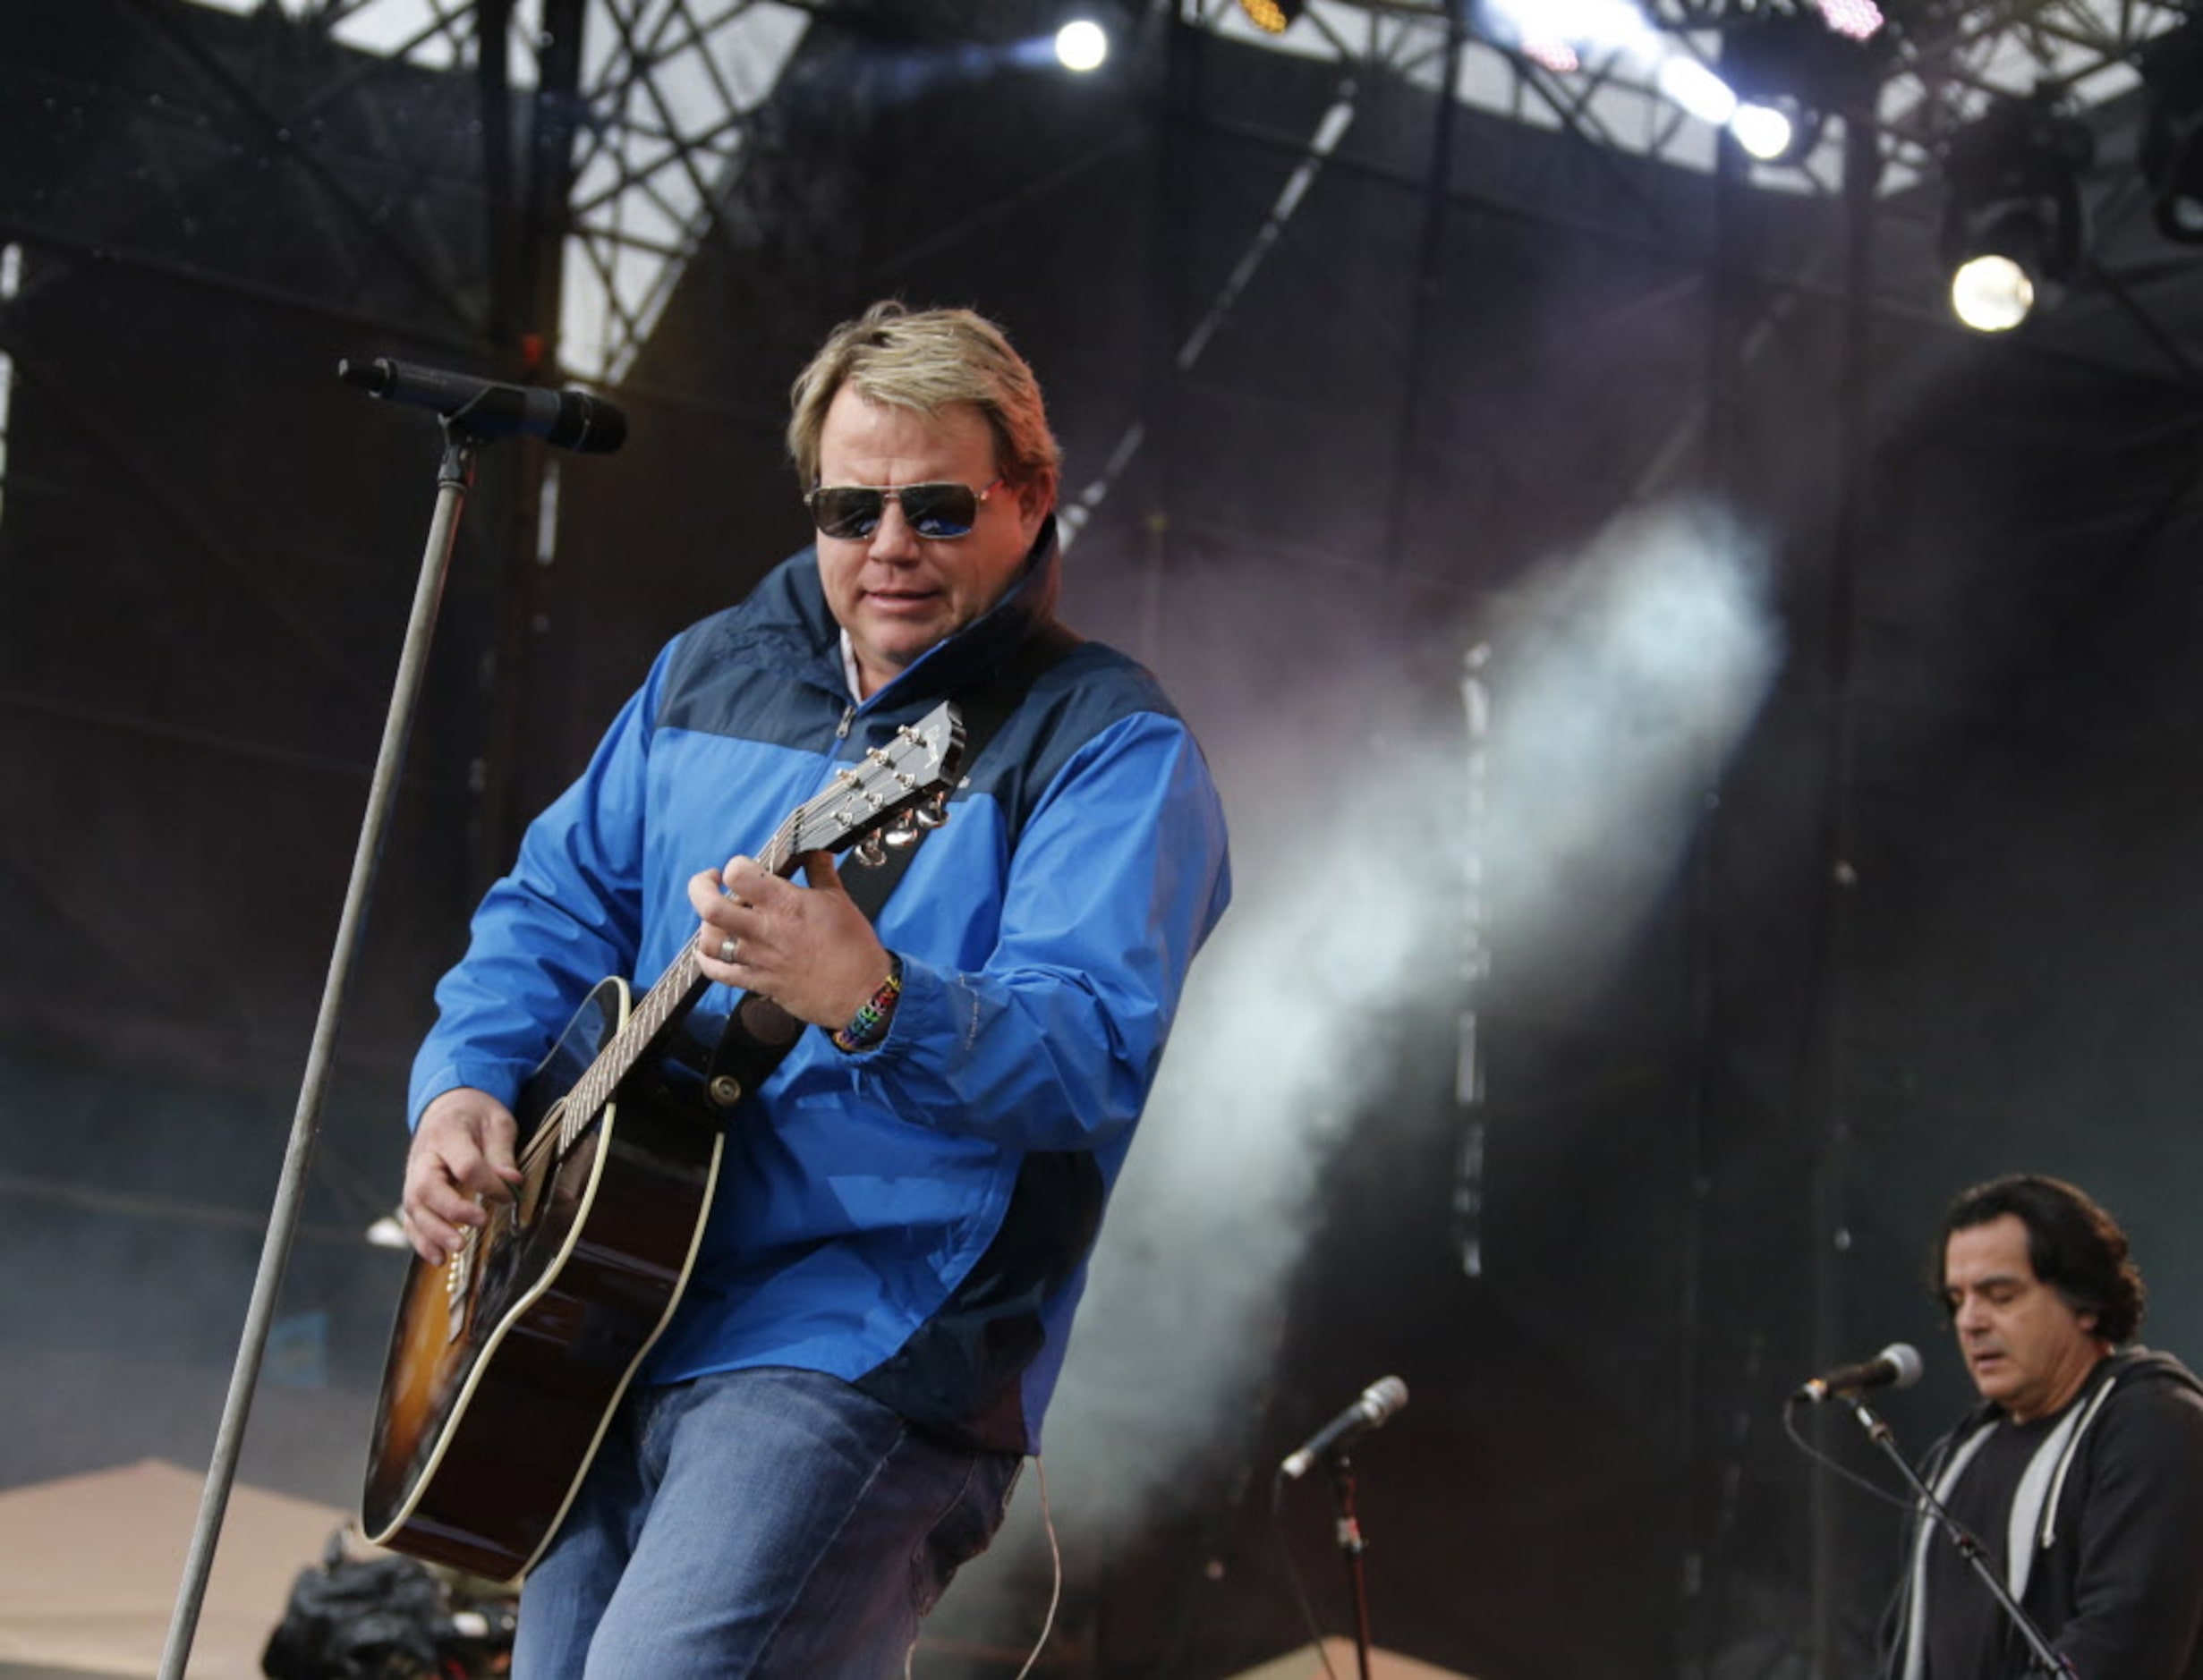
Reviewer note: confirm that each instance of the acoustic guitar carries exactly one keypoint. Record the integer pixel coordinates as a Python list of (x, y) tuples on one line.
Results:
[(507, 1362)]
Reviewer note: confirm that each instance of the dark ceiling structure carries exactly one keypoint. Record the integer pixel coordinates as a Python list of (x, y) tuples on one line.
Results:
[(1622, 974)]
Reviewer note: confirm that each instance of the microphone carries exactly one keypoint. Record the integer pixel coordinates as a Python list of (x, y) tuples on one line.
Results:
[(1378, 1402), (1896, 1366), (570, 419)]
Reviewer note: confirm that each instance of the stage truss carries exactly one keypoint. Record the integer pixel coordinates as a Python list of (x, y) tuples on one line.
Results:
[(665, 90)]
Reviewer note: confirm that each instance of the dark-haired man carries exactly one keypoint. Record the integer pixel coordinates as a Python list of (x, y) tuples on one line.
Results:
[(2080, 1474)]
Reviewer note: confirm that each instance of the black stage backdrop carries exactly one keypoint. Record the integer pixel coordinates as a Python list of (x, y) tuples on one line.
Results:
[(1754, 987)]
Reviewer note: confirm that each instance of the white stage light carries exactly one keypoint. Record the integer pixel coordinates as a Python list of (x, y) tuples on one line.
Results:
[(2015, 228), (1761, 130), (1082, 45), (1992, 294)]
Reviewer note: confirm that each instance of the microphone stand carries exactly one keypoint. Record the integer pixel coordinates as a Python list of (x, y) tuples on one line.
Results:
[(454, 475), (2046, 1659), (1350, 1546)]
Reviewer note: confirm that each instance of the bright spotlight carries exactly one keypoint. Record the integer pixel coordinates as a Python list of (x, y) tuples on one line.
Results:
[(1858, 20), (1082, 45), (1992, 294), (1780, 72), (1272, 17), (1804, 67), (1761, 130), (2013, 194)]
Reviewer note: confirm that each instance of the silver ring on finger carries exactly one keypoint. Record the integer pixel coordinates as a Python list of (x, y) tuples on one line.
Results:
[(727, 947)]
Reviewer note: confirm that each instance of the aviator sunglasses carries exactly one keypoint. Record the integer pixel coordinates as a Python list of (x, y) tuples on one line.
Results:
[(939, 513)]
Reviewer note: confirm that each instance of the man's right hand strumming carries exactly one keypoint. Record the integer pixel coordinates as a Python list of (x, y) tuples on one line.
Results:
[(462, 1157)]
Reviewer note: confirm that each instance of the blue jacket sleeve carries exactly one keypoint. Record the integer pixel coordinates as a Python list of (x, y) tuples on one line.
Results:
[(568, 914), (1119, 875)]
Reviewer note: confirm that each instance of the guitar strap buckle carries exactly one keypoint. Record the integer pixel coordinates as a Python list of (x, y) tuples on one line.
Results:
[(758, 1033)]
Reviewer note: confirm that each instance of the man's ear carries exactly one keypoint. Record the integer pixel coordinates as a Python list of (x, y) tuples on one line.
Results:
[(1035, 497)]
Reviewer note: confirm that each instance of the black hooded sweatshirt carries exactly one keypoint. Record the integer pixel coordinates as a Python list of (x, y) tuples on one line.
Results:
[(2114, 1576)]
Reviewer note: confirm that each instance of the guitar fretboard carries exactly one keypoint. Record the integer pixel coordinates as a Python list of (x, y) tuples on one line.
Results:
[(858, 803)]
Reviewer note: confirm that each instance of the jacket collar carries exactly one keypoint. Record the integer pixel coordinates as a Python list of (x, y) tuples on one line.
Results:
[(984, 648), (786, 622)]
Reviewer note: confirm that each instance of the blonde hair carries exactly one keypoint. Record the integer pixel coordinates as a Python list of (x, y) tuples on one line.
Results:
[(926, 361)]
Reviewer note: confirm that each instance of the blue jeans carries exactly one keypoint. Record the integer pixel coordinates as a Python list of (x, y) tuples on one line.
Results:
[(755, 1523)]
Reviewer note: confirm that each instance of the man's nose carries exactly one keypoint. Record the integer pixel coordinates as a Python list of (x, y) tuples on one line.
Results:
[(893, 539)]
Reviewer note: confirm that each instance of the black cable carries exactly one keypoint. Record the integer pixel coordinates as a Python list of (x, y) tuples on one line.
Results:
[(1292, 1573), (1790, 1428)]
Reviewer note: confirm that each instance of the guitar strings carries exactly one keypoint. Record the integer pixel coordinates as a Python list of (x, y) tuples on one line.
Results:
[(683, 980), (653, 1008)]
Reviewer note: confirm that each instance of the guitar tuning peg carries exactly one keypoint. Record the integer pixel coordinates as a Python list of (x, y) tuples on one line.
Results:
[(905, 832), (933, 812), (869, 853)]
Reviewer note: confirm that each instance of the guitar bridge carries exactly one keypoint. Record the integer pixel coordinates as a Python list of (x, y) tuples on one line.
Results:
[(458, 1280)]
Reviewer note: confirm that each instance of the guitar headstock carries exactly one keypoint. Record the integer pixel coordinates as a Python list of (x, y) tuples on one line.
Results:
[(900, 787)]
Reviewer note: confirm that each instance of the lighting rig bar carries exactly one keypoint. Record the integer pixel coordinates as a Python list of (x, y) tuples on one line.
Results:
[(1943, 66)]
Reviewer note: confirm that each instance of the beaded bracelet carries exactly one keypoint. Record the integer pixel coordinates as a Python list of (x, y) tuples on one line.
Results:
[(868, 1025)]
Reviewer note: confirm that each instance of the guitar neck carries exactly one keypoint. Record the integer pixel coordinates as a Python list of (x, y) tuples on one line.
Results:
[(669, 998), (886, 783)]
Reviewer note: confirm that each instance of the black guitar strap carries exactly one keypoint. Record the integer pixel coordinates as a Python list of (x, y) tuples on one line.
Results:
[(759, 1032)]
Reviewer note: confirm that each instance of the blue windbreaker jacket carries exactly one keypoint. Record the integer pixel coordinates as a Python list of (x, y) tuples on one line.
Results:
[(916, 1218)]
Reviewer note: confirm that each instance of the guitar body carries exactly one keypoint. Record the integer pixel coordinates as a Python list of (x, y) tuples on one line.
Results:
[(505, 1363)]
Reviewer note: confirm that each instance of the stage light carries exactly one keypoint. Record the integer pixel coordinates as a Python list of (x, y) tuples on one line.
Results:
[(1082, 45), (1273, 17), (1766, 132), (1992, 293), (1860, 20), (1779, 72), (1798, 68), (2172, 145), (2012, 219)]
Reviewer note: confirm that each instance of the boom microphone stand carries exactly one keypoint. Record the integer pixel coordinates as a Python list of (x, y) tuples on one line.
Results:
[(455, 476), (2046, 1660), (1328, 1445), (471, 411), (1351, 1547)]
